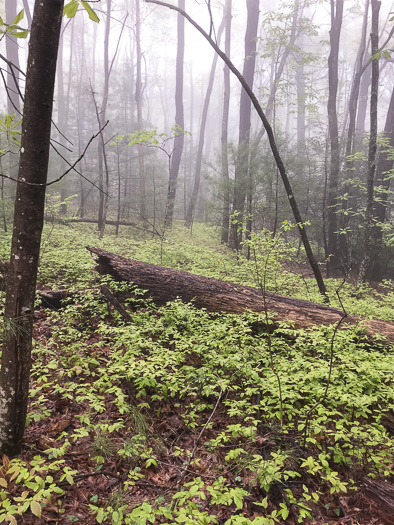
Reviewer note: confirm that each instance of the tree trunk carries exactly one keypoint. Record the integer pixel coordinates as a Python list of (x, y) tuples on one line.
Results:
[(241, 182), (373, 145), (333, 181), (225, 118), (138, 103), (201, 137), (179, 122), (28, 222), (101, 116), (165, 284), (350, 138)]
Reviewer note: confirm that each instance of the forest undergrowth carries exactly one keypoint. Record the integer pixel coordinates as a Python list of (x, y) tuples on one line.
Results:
[(181, 416)]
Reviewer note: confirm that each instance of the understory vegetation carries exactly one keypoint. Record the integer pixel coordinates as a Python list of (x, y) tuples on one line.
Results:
[(182, 416)]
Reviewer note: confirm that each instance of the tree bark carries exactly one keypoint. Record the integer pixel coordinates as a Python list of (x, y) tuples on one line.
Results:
[(165, 284), (28, 223)]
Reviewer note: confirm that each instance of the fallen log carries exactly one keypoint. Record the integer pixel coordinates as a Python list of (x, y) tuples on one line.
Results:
[(165, 284)]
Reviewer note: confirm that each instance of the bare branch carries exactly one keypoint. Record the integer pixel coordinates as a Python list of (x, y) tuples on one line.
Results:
[(71, 168)]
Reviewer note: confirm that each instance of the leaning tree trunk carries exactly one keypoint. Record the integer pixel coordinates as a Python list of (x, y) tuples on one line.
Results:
[(274, 148), (28, 223)]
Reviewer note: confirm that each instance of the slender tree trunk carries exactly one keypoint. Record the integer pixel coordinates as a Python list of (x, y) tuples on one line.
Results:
[(201, 138), (301, 105), (225, 118), (138, 103), (350, 138), (242, 182), (179, 122), (332, 197), (101, 117), (28, 223), (62, 117), (373, 136), (27, 11)]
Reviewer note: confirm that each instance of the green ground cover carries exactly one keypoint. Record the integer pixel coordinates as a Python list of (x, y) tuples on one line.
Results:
[(181, 416)]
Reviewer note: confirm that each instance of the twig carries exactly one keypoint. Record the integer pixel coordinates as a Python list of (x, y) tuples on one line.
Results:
[(72, 166)]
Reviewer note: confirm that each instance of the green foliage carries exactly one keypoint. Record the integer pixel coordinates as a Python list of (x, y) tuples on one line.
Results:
[(13, 28), (10, 127), (141, 393), (70, 10)]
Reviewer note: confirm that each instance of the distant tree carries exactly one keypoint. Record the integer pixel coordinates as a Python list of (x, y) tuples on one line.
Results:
[(225, 118), (245, 107), (201, 136), (138, 104), (103, 170), (179, 121), (350, 145), (372, 147), (13, 97), (333, 181), (28, 223)]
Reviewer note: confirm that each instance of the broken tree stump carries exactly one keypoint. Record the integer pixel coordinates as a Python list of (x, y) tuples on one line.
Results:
[(165, 284)]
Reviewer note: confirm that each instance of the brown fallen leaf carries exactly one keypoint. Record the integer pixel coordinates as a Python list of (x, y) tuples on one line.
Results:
[(59, 426)]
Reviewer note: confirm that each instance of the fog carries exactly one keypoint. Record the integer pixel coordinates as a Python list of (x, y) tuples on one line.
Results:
[(135, 90)]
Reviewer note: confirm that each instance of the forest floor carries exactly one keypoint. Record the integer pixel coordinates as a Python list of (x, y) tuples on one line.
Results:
[(181, 416)]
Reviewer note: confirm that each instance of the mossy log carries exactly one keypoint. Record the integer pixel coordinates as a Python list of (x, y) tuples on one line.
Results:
[(165, 284)]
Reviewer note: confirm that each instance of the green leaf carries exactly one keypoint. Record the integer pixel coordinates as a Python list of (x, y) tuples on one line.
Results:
[(35, 507), (238, 502), (18, 18), (70, 9), (91, 13), (19, 34)]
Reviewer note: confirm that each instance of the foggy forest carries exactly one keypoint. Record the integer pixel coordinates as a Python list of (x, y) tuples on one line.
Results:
[(196, 261)]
